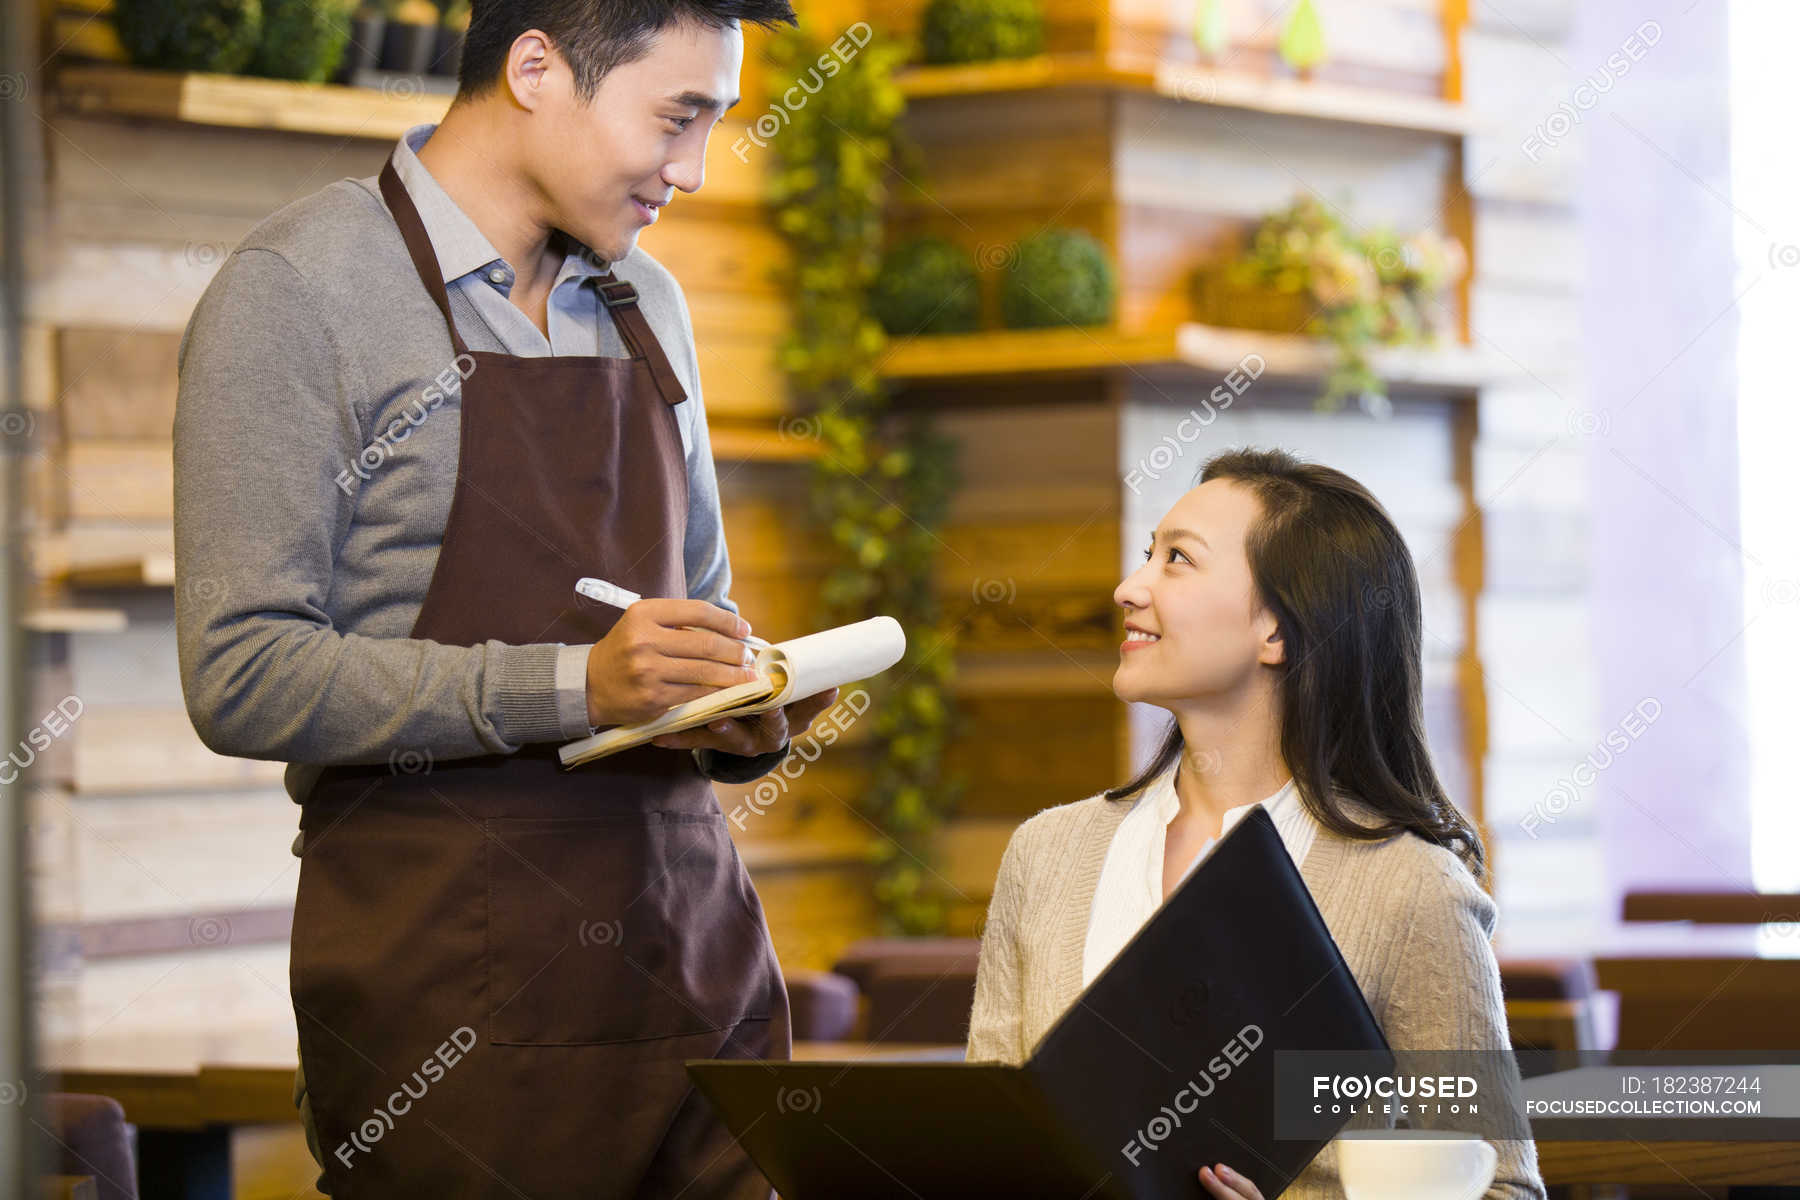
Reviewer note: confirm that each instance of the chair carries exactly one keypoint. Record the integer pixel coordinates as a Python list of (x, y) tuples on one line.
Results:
[(823, 1005), (914, 989), (88, 1135)]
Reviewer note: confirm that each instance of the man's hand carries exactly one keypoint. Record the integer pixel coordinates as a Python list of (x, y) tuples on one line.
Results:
[(758, 734), (651, 661)]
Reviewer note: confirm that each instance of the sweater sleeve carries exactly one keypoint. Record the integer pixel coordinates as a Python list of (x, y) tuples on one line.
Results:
[(996, 1023), (264, 421), (1445, 995)]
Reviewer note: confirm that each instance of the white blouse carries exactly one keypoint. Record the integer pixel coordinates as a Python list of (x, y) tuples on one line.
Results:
[(1131, 879)]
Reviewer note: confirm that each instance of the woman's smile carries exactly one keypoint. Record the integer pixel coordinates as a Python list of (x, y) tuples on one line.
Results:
[(1138, 639)]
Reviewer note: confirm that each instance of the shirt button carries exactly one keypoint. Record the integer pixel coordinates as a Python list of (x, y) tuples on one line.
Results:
[(497, 275)]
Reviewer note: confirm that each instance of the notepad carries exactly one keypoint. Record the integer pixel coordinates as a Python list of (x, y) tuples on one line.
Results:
[(785, 672)]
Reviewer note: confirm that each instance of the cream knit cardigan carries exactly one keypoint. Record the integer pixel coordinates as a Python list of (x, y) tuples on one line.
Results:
[(1412, 924)]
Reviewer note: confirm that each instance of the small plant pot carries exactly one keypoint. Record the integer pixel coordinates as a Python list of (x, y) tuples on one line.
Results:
[(363, 51), (407, 49), (1218, 300), (446, 59)]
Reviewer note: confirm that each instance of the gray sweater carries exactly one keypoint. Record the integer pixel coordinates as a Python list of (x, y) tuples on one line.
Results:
[(1411, 922), (304, 541)]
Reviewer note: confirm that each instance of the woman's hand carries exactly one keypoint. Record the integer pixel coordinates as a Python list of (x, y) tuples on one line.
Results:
[(1227, 1184)]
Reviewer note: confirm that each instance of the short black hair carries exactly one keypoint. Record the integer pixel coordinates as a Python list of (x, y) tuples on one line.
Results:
[(593, 36)]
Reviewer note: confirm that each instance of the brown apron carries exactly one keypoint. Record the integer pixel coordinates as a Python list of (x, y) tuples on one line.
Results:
[(498, 965)]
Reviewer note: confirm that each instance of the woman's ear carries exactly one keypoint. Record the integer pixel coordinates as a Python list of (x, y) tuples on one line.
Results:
[(1274, 648)]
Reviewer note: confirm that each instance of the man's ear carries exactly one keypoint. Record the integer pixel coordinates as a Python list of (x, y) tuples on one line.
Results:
[(527, 64)]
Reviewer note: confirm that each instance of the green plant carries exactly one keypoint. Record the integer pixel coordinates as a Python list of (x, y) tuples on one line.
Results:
[(301, 39), (1368, 289), (956, 31), (189, 35), (927, 285), (1302, 41), (1209, 27), (881, 487), (1057, 277)]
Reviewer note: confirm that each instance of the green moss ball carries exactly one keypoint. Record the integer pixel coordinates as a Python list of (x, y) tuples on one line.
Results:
[(302, 39), (1057, 277), (190, 35), (926, 285), (956, 31)]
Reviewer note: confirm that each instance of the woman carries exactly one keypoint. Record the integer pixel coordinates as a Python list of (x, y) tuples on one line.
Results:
[(1277, 618)]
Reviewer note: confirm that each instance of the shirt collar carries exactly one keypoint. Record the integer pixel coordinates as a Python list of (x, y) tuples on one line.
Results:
[(460, 245)]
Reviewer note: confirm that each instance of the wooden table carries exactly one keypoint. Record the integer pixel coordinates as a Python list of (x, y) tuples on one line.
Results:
[(185, 1093), (1695, 1164), (1694, 987)]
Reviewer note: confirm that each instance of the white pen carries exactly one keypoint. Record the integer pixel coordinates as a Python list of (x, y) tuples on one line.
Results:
[(618, 597)]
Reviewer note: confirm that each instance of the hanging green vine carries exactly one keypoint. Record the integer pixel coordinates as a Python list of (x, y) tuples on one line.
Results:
[(882, 485)]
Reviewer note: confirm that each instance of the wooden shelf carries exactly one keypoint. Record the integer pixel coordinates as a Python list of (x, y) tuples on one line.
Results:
[(247, 102), (1194, 85), (140, 571), (1205, 349), (244, 102), (74, 620), (760, 443)]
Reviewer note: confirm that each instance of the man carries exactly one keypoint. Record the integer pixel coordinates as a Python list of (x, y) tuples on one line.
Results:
[(414, 410)]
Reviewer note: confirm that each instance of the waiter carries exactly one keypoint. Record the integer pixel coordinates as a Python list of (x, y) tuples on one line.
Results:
[(414, 409)]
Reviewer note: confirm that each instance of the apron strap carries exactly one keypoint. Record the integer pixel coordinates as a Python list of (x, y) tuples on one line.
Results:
[(621, 299), (619, 296), (418, 245)]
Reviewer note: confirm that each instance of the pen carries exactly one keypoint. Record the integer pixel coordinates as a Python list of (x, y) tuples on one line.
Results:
[(618, 597)]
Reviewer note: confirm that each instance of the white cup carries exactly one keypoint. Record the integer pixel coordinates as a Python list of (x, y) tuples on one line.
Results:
[(1414, 1164)]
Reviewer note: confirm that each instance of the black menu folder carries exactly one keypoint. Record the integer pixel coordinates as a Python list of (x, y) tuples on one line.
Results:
[(1164, 1062)]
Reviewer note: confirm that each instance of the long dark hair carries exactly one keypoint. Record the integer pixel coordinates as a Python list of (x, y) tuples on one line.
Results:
[(1329, 563)]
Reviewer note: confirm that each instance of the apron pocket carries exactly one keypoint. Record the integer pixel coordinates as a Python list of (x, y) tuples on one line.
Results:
[(620, 928)]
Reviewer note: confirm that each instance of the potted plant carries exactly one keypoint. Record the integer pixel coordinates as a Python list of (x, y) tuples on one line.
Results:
[(301, 39), (926, 285), (447, 60), (1303, 271), (410, 38), (368, 26), (189, 35), (959, 31), (1302, 40), (1057, 277)]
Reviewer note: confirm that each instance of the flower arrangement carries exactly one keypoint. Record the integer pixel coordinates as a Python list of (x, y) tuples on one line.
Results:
[(1304, 270)]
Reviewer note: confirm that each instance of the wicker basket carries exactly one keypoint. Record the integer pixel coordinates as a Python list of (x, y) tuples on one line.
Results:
[(1218, 300)]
